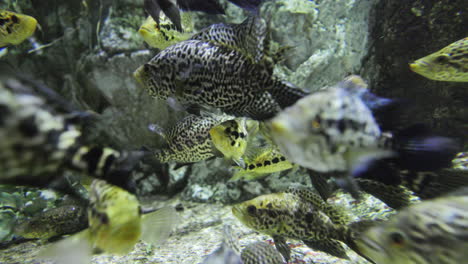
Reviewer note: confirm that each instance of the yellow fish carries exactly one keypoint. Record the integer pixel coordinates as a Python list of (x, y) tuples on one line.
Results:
[(117, 222), (15, 28), (232, 136), (448, 64), (264, 161), (165, 34)]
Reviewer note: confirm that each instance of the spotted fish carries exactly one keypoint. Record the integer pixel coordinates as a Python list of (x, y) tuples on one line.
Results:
[(164, 34), (213, 74), (434, 231), (116, 223), (254, 253), (334, 130), (67, 219), (196, 138), (262, 162), (448, 64), (232, 136), (42, 143), (15, 28), (299, 214)]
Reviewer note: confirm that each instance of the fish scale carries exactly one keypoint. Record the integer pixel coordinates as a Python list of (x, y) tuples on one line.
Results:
[(189, 140)]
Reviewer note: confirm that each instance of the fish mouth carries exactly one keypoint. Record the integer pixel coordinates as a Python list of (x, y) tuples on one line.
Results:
[(418, 66)]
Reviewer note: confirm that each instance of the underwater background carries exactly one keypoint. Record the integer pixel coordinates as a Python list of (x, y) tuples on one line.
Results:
[(87, 51)]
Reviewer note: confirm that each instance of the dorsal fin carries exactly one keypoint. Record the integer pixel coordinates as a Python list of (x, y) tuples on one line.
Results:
[(248, 37)]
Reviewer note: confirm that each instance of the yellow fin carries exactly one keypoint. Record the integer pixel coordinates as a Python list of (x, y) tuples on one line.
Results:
[(157, 226)]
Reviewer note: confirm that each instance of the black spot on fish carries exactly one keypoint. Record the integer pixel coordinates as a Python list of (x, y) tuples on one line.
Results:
[(235, 134), (8, 29), (259, 164), (107, 164), (251, 167), (275, 160), (103, 218), (272, 214), (28, 127), (269, 205), (92, 158), (3, 21), (251, 210), (15, 19), (233, 143), (309, 217), (266, 163), (282, 158), (242, 135), (341, 125), (228, 130)]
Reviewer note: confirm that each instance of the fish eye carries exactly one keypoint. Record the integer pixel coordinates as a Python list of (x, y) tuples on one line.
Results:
[(15, 19), (441, 59), (397, 238), (251, 210)]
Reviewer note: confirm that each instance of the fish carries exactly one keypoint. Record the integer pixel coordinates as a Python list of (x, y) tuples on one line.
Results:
[(460, 161), (116, 222), (196, 138), (43, 143), (232, 136), (59, 221), (261, 162), (300, 214), (214, 75), (449, 64), (171, 8), (15, 28), (254, 253), (433, 231), (334, 130), (164, 34)]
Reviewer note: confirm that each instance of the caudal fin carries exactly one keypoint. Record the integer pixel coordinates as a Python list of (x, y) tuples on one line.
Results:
[(157, 226), (420, 150)]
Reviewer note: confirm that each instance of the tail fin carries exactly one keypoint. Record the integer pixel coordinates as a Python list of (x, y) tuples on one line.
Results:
[(420, 150), (433, 184), (286, 94)]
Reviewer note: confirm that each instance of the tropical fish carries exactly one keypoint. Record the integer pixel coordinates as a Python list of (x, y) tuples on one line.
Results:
[(448, 64), (67, 219), (254, 253), (171, 8), (232, 136), (334, 130), (196, 138), (299, 214), (434, 231), (212, 74), (262, 161), (162, 35), (117, 222), (42, 143), (15, 28)]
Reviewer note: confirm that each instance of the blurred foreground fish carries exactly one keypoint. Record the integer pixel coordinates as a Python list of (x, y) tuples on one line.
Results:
[(261, 162), (164, 34), (254, 253), (448, 64), (207, 72), (39, 144), (15, 28), (171, 8), (116, 223), (334, 130), (434, 231), (303, 215), (196, 138)]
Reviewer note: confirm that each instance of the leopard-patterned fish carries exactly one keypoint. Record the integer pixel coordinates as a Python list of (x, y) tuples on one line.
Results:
[(448, 64), (15, 28), (299, 214), (434, 231), (215, 75)]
